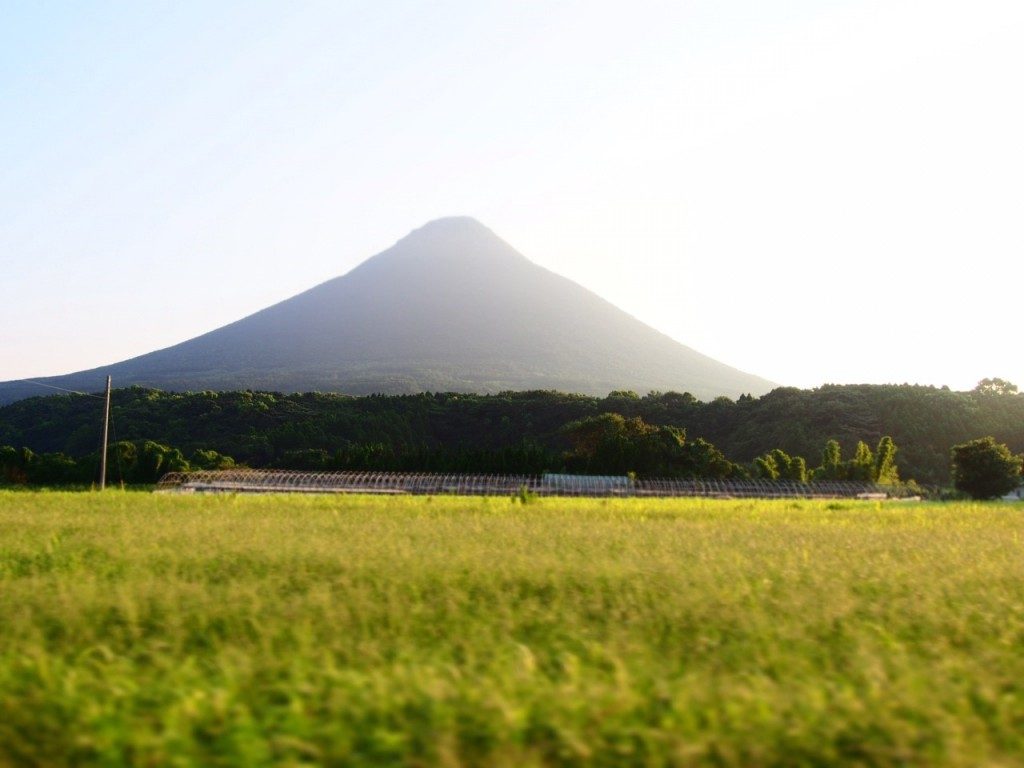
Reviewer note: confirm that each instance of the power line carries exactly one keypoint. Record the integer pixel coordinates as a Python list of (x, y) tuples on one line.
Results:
[(60, 389)]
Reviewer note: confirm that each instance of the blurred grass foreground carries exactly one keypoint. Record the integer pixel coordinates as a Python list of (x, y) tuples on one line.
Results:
[(147, 629)]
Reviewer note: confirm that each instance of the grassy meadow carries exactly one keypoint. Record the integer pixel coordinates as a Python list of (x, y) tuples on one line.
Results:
[(150, 629)]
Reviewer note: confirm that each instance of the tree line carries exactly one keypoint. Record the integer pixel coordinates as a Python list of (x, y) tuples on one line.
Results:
[(144, 462), (609, 444), (787, 434)]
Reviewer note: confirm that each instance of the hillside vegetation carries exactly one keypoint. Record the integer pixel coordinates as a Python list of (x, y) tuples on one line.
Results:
[(154, 629), (516, 432)]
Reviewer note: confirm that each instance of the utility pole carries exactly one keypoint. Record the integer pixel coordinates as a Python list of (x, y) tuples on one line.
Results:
[(106, 429)]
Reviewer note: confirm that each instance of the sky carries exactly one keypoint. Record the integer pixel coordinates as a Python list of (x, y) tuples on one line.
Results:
[(814, 191)]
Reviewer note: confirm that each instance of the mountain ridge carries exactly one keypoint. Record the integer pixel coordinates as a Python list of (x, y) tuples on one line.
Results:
[(449, 307)]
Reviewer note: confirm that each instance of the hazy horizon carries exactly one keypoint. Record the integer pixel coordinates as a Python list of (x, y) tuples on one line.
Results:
[(825, 193)]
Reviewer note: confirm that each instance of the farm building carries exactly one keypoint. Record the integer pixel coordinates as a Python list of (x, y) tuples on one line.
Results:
[(1017, 494)]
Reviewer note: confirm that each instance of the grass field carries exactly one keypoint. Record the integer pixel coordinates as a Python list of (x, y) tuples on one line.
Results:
[(154, 629)]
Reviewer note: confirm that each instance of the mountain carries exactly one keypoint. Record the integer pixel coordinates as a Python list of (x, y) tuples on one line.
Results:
[(450, 307)]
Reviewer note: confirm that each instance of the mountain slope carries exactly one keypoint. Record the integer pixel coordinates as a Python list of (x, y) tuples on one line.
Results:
[(451, 307)]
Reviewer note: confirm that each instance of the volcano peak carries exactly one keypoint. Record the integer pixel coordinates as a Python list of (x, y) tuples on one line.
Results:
[(449, 307)]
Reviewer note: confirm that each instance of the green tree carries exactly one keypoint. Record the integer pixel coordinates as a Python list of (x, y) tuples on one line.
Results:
[(612, 444), (154, 461), (702, 459), (862, 465), (779, 465), (985, 469), (589, 434), (885, 470), (996, 387), (831, 463), (766, 468), (12, 467), (797, 470), (210, 460)]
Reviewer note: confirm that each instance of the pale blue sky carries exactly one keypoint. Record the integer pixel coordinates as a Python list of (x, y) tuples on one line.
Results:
[(827, 191)]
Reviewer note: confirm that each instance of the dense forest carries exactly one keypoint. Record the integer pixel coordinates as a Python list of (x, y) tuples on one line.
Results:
[(525, 432)]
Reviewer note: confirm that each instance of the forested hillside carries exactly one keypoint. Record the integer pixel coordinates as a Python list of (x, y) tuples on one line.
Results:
[(517, 431)]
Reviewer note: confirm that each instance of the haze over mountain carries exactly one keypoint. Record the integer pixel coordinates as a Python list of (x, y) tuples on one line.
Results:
[(450, 307)]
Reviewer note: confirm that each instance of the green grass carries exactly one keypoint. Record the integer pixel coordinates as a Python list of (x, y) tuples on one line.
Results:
[(155, 629)]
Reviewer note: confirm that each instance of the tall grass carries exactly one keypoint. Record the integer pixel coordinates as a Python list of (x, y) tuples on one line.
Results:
[(247, 630)]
